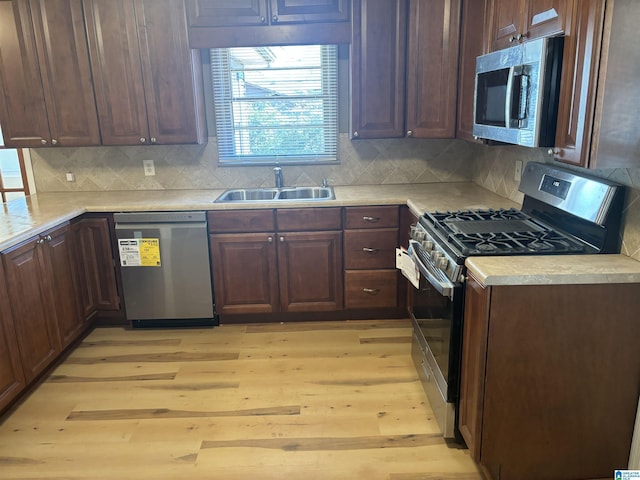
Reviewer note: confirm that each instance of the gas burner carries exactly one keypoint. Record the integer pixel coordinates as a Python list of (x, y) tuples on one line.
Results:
[(497, 232)]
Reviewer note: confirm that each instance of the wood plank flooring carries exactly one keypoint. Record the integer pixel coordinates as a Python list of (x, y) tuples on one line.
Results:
[(309, 401)]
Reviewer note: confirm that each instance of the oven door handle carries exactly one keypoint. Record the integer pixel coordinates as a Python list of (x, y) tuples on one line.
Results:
[(435, 277)]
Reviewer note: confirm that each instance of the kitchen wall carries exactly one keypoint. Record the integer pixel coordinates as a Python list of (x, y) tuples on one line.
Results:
[(494, 169), (362, 162)]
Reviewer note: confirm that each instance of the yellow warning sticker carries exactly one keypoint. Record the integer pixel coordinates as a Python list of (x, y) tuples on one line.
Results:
[(139, 252), (150, 252)]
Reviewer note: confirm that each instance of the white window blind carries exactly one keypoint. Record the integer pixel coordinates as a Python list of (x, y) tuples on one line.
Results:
[(276, 104)]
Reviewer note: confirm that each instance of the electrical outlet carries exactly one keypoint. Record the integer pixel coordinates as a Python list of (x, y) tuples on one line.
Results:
[(149, 168), (70, 177), (518, 174)]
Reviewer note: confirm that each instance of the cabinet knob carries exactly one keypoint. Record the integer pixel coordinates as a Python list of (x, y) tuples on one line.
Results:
[(553, 151), (371, 291), (48, 238), (410, 133), (356, 134), (520, 36), (43, 141), (54, 142), (153, 140), (40, 241), (263, 19), (281, 239), (270, 239), (371, 219), (143, 140), (370, 250), (274, 18), (512, 39)]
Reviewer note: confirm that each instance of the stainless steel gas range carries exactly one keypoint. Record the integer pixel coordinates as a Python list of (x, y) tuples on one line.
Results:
[(563, 212)]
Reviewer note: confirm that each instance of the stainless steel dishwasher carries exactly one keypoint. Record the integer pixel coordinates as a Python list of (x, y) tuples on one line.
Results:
[(164, 260)]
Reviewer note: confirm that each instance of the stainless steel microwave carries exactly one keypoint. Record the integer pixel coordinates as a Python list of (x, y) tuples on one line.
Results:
[(516, 93)]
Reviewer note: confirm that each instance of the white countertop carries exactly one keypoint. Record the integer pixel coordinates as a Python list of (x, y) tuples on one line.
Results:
[(23, 218), (26, 217), (554, 269)]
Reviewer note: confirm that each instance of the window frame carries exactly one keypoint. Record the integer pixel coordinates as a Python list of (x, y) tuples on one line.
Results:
[(330, 131)]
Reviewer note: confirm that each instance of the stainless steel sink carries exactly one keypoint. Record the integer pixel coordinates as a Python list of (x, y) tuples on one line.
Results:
[(276, 194)]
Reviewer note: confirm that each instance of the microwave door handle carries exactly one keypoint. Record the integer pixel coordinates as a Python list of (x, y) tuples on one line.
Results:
[(509, 98)]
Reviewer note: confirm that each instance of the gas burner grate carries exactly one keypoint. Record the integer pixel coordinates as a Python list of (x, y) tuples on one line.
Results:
[(498, 232)]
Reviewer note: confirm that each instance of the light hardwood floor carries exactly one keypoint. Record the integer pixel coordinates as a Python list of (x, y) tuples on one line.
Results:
[(309, 401)]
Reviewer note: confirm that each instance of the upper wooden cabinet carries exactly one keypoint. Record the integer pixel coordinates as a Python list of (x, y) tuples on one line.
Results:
[(46, 91), (472, 45), (598, 120), (148, 82), (404, 62), (214, 23), (513, 21)]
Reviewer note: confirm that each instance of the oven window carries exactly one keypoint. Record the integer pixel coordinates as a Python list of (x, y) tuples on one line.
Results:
[(434, 316), (491, 97)]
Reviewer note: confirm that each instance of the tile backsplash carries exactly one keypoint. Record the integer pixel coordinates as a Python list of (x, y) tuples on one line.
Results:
[(494, 169), (362, 162)]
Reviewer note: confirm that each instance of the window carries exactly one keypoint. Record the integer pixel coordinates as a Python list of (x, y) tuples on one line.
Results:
[(276, 105), (13, 181)]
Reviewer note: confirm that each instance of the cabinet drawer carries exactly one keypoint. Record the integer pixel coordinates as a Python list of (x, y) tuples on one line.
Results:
[(371, 288), (224, 221), (292, 219), (371, 217), (370, 248)]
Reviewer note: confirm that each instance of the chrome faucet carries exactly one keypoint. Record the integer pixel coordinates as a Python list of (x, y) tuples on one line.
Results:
[(279, 178)]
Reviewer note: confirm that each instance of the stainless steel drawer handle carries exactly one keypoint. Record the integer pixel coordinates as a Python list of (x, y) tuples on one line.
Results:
[(371, 219), (370, 250), (371, 291)]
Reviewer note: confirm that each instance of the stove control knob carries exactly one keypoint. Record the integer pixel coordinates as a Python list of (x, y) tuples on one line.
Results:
[(435, 257), (442, 263), (427, 245), (420, 235)]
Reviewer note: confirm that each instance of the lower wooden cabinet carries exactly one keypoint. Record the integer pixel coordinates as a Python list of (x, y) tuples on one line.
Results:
[(370, 240), (263, 263), (11, 375), (97, 284), (41, 283), (550, 379)]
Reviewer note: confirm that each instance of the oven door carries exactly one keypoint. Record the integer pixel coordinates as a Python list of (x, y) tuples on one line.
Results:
[(436, 346)]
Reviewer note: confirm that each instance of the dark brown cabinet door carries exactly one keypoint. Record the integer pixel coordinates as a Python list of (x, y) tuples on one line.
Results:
[(115, 59), (474, 353), (60, 266), (580, 67), (517, 21), (547, 17), (171, 73), (506, 23), (96, 273), (432, 68), (148, 80), (66, 74), (23, 113), (310, 268), (245, 275), (30, 299), (472, 45), (378, 68), (45, 76), (226, 13), (11, 374), (308, 11)]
